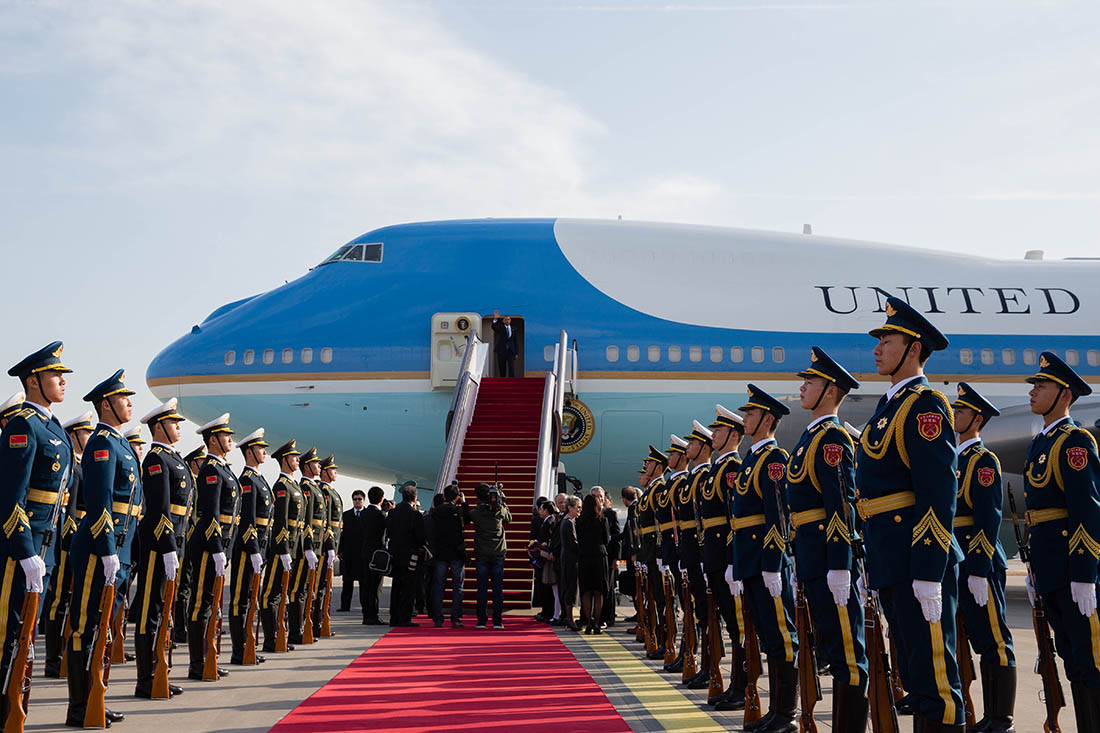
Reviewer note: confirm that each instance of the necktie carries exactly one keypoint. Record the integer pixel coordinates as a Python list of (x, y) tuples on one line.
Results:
[(356, 513)]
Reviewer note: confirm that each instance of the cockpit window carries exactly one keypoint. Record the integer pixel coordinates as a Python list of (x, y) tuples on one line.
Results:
[(371, 252)]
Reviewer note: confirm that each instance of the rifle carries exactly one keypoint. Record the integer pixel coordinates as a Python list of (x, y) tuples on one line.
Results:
[(280, 624), (118, 632), (163, 643), (326, 604), (753, 669), (307, 616), (250, 633), (897, 691), (1045, 665), (689, 670), (651, 613), (966, 667), (213, 633), (670, 618), (19, 695), (639, 605), (715, 687), (99, 662), (880, 697)]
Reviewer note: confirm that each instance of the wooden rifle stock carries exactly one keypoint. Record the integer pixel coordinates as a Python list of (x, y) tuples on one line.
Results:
[(715, 686), (280, 621), (966, 668), (99, 665), (118, 632), (690, 669), (326, 605), (213, 632), (650, 614), (163, 644), (21, 666), (639, 606), (753, 669), (66, 634), (670, 619), (307, 616), (880, 695), (249, 655), (808, 686)]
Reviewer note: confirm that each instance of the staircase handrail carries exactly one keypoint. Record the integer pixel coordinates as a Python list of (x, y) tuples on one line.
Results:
[(553, 403), (461, 412)]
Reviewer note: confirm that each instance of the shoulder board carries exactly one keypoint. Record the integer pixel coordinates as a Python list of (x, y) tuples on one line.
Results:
[(103, 434), (1086, 433), (156, 449), (833, 427), (24, 413)]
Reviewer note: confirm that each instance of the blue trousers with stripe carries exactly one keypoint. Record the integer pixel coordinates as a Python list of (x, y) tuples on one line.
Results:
[(773, 617), (1076, 638), (987, 626), (928, 650), (13, 587), (840, 629)]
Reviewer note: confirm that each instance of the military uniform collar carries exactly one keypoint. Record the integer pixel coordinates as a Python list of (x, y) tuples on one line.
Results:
[(44, 410), (822, 419), (894, 389), (724, 456), (760, 444), (700, 467), (962, 448), (681, 472), (216, 460), (1053, 426), (165, 446), (287, 476), (105, 426)]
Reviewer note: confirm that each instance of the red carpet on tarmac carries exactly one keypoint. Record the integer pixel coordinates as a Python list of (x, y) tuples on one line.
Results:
[(429, 679)]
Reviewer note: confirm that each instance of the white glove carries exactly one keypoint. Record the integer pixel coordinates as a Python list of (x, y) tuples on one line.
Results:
[(311, 558), (661, 567), (285, 560), (171, 564), (794, 578), (729, 577), (110, 568), (861, 589), (1084, 595), (979, 588), (34, 567), (737, 588), (840, 585), (331, 554), (257, 562), (773, 582), (1030, 591), (930, 596), (219, 564)]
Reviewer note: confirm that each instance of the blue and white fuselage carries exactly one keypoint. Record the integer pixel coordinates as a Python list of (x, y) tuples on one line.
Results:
[(668, 320)]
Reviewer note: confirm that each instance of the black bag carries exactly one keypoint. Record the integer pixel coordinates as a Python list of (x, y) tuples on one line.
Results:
[(381, 561), (626, 583)]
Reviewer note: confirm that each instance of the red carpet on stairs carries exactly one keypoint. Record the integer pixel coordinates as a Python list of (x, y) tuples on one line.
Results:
[(428, 679)]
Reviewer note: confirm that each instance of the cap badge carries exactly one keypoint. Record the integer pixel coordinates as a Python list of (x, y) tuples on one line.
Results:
[(1043, 362), (890, 310), (813, 356), (57, 354)]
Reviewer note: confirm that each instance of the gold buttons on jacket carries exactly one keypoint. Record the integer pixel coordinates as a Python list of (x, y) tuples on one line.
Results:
[(897, 518)]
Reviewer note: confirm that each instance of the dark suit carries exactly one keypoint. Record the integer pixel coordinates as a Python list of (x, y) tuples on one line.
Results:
[(405, 531), (352, 563), (505, 346), (374, 525), (613, 548)]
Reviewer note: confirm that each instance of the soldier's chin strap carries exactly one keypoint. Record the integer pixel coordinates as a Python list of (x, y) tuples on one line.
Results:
[(1054, 402), (973, 417), (757, 426), (111, 404), (825, 388), (909, 341)]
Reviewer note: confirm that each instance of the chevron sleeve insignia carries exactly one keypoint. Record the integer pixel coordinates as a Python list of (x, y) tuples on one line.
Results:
[(930, 525), (774, 537), (837, 530), (17, 520), (981, 545), (281, 536), (1081, 541), (103, 524), (213, 528), (164, 525)]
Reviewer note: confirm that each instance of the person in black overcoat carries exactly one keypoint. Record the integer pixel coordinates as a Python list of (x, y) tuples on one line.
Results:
[(405, 532)]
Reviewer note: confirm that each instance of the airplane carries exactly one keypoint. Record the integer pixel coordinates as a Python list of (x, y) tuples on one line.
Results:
[(668, 319)]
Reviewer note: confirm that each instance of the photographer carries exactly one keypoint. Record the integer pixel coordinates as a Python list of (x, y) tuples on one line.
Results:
[(489, 517), (450, 553)]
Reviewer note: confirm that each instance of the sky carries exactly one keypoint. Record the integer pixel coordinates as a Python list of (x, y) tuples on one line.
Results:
[(159, 159)]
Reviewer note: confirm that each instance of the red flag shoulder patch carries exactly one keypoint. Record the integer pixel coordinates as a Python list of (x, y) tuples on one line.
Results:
[(776, 471), (101, 455), (1077, 458), (930, 425), (17, 441), (833, 453), (246, 488), (280, 493), (211, 479), (156, 469), (731, 479), (986, 476)]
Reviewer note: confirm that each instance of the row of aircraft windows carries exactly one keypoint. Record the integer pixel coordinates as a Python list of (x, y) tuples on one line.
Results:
[(286, 356), (756, 354)]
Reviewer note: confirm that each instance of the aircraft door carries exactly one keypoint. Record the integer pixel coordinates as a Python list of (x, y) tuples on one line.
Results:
[(449, 333), (489, 337)]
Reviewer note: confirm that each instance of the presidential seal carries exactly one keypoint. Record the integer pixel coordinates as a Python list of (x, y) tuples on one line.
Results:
[(577, 426)]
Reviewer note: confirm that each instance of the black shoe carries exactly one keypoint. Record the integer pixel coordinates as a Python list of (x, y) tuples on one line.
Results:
[(192, 675), (438, 624), (223, 672), (456, 624), (53, 674), (677, 666), (655, 654), (174, 690), (631, 619), (260, 659), (113, 717), (408, 624), (128, 656), (731, 700), (269, 648), (699, 682)]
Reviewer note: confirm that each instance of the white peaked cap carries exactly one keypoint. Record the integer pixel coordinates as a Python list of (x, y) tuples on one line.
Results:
[(677, 440), (165, 408), (729, 414), (133, 433), (701, 429), (257, 434), (87, 417), (16, 399), (217, 424)]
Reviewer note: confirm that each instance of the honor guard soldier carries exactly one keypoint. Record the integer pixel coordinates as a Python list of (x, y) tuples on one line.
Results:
[(727, 430), (335, 508), (300, 592), (247, 558), (112, 491), (982, 573), (691, 552), (649, 553), (36, 463), (284, 542), (905, 479), (166, 483), (669, 557), (184, 528), (10, 406), (59, 592), (1062, 477), (137, 447), (760, 559), (215, 499), (133, 437), (820, 494)]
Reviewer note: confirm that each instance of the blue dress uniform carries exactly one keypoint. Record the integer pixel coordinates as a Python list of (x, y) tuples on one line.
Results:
[(820, 483), (1062, 478), (759, 546), (245, 544), (648, 549), (185, 526), (111, 486), (905, 480), (299, 583), (165, 479), (55, 604), (335, 510), (215, 495), (665, 514), (286, 516), (977, 530)]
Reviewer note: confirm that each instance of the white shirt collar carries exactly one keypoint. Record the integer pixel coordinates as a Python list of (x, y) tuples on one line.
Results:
[(822, 419), (725, 455), (45, 410), (163, 445), (966, 444), (681, 472), (701, 467), (281, 473), (103, 425), (1053, 425), (760, 444), (894, 389)]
